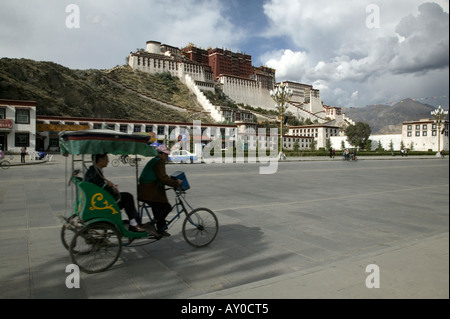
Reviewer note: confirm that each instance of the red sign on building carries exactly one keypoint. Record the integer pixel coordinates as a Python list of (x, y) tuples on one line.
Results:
[(6, 123)]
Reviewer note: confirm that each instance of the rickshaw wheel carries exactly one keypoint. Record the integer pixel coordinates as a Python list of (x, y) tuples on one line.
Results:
[(200, 227), (96, 247), (72, 225)]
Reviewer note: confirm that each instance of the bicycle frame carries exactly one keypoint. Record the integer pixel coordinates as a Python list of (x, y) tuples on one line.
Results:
[(180, 201)]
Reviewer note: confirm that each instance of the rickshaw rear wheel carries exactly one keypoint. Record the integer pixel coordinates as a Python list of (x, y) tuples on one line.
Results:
[(96, 247), (71, 226), (200, 227)]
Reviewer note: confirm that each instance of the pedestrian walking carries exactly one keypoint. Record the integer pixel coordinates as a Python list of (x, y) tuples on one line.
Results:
[(23, 152)]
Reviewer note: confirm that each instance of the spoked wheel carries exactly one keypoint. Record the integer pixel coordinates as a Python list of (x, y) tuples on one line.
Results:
[(5, 164), (71, 226), (96, 247), (115, 162), (200, 227)]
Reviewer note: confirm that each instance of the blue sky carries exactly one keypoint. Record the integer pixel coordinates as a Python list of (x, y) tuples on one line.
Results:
[(356, 52)]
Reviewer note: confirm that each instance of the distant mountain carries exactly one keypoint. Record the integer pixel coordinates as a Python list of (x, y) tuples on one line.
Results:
[(385, 119), (121, 94)]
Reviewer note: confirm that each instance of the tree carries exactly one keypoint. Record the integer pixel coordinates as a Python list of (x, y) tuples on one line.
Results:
[(296, 146), (312, 145), (358, 134), (380, 147), (328, 144)]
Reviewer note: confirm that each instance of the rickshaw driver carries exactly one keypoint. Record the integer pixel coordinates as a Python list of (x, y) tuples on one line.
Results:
[(124, 199), (151, 189)]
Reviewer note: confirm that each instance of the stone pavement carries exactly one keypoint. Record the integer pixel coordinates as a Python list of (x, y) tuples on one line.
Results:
[(392, 214), (412, 270)]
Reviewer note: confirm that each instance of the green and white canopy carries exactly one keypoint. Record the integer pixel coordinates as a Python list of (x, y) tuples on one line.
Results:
[(105, 141)]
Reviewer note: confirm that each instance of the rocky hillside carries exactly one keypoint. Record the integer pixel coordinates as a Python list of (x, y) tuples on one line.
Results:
[(61, 91), (385, 119)]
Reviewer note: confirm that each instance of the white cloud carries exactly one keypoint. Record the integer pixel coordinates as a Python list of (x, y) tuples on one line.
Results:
[(338, 50), (109, 29), (290, 64)]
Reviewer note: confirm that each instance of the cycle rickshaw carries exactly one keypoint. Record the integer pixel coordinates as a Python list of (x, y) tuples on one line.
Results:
[(94, 232)]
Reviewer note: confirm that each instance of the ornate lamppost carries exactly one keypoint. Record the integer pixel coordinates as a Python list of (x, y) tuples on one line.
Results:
[(281, 95), (439, 115)]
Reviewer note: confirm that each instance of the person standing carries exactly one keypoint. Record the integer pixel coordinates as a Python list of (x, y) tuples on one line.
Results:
[(23, 152)]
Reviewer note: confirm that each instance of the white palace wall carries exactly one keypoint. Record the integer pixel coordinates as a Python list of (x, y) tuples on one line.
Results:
[(385, 140), (160, 64), (247, 92)]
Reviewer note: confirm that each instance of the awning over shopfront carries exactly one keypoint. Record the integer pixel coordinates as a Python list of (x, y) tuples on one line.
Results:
[(60, 127)]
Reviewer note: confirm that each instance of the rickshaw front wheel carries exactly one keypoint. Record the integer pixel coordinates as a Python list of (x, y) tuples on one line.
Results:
[(96, 247), (200, 227)]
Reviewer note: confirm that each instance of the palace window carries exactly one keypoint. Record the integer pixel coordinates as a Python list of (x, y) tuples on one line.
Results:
[(22, 116), (22, 139), (123, 128)]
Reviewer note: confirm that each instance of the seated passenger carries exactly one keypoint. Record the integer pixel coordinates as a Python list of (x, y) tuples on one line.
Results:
[(125, 200)]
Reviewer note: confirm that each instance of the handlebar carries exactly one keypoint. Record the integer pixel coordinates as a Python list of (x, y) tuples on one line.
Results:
[(178, 191)]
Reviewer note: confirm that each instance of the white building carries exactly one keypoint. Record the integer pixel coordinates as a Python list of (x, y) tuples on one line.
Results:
[(419, 135), (160, 58), (17, 125), (319, 132), (424, 135)]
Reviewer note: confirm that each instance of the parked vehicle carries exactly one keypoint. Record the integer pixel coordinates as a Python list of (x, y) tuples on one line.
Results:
[(182, 156)]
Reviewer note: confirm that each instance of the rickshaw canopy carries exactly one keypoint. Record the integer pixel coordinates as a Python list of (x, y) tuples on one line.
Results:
[(105, 141)]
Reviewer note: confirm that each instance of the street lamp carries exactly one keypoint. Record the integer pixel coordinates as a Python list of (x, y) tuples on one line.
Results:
[(281, 95), (439, 115)]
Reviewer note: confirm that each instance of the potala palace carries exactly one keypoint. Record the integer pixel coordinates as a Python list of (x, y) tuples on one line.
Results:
[(232, 73), (237, 78)]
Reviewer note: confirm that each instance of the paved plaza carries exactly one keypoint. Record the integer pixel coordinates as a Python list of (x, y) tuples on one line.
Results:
[(308, 231)]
